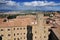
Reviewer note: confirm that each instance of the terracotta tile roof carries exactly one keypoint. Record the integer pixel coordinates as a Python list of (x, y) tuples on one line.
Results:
[(21, 21)]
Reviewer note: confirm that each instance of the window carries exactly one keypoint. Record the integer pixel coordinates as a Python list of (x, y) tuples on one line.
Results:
[(18, 39), (40, 36), (1, 29), (24, 28), (8, 34), (17, 33), (32, 22), (24, 33), (8, 29), (14, 38), (44, 27), (14, 34), (20, 28), (17, 28), (34, 18), (2, 35), (35, 32), (44, 36), (4, 20), (21, 38), (14, 28), (44, 31), (24, 37), (35, 37)]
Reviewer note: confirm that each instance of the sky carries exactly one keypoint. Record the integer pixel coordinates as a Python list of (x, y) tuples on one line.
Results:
[(30, 5)]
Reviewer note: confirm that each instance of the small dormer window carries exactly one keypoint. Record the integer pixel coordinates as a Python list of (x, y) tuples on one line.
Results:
[(4, 20)]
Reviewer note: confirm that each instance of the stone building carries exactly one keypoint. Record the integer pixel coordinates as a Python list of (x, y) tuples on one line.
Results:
[(29, 27)]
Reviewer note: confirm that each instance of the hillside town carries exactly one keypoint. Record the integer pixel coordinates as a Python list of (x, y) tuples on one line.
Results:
[(33, 26)]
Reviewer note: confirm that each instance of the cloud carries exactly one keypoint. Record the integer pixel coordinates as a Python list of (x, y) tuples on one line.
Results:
[(41, 3), (8, 4), (12, 3)]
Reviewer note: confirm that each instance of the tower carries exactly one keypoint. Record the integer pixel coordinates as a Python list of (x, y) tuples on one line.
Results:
[(40, 31)]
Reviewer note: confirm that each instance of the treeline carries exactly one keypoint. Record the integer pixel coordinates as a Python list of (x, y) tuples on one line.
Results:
[(58, 11), (11, 16)]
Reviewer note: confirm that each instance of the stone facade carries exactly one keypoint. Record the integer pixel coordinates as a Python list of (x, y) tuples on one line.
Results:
[(27, 28)]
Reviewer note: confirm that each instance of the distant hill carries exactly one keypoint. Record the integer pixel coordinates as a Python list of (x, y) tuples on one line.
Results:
[(6, 10), (2, 11)]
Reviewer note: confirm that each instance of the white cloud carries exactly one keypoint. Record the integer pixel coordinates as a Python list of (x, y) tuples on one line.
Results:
[(40, 3), (12, 3), (29, 5), (8, 4)]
